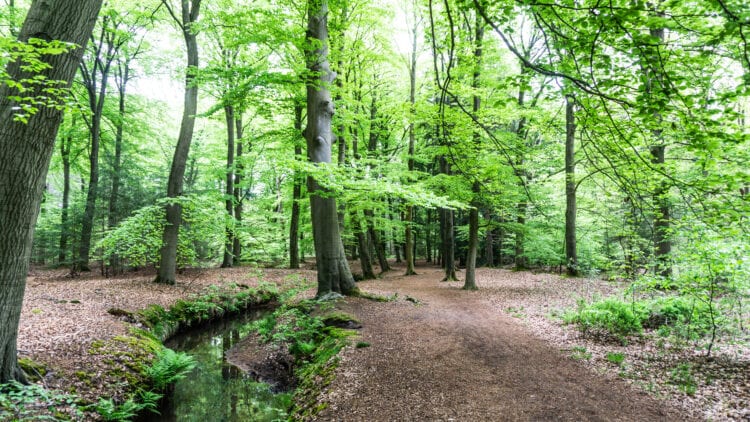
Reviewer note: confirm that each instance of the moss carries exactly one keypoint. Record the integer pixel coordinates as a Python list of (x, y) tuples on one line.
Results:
[(34, 370), (340, 319)]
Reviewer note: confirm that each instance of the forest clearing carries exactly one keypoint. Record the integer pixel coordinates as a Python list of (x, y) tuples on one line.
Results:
[(374, 209)]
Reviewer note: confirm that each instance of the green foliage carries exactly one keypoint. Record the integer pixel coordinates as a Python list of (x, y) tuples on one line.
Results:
[(580, 353), (682, 377), (138, 238), (202, 308), (168, 367), (108, 410), (609, 317), (33, 402), (616, 358), (34, 91)]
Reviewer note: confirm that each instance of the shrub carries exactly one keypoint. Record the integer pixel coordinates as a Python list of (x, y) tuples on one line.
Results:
[(609, 317)]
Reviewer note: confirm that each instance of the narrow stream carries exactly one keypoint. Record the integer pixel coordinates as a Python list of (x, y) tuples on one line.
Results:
[(216, 390)]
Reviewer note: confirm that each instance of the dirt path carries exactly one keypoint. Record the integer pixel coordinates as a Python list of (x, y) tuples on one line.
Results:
[(456, 357)]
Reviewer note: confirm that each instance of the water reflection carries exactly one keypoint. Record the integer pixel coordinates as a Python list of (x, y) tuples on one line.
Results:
[(216, 390)]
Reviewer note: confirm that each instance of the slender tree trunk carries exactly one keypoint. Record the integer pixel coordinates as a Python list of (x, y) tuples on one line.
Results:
[(428, 237), (25, 152), (662, 218), (296, 195), (237, 244), (122, 76), (489, 241), (96, 105), (471, 258), (471, 255), (364, 250), (228, 260), (448, 254), (168, 262), (65, 144), (377, 242), (334, 274), (571, 254)]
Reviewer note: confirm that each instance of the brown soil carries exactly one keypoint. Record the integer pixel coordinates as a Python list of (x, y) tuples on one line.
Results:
[(453, 356)]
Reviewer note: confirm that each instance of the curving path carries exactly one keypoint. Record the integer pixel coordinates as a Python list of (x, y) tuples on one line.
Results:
[(453, 357)]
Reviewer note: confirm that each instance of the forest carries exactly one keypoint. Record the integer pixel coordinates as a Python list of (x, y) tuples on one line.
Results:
[(600, 147)]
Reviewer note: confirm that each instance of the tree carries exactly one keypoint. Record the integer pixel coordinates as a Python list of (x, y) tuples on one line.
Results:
[(190, 10), (25, 152), (95, 72), (571, 254), (334, 274)]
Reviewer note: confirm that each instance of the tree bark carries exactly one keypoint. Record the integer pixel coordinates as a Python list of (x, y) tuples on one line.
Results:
[(571, 254), (25, 152), (296, 194), (489, 241), (334, 274), (237, 244), (65, 144), (168, 262), (364, 251), (662, 218), (471, 255), (228, 260)]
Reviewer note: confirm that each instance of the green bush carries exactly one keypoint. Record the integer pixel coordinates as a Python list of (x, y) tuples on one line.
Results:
[(682, 316), (609, 317)]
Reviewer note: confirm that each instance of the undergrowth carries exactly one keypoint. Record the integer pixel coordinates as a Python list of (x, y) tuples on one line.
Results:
[(612, 318), (313, 346)]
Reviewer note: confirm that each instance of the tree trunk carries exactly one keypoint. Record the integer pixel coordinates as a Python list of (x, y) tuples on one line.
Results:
[(471, 255), (228, 260), (121, 77), (237, 244), (364, 250), (96, 86), (168, 261), (377, 242), (296, 194), (448, 253), (428, 237), (571, 255), (334, 274), (662, 242), (25, 152), (65, 144), (489, 241)]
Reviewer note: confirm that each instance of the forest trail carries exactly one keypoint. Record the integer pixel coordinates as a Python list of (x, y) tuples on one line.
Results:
[(455, 356)]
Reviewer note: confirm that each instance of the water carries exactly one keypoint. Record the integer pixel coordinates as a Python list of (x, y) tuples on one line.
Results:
[(215, 390)]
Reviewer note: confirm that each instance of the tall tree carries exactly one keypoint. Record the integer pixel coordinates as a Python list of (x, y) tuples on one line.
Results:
[(471, 259), (412, 66), (334, 274), (571, 247), (296, 192), (189, 11), (25, 152), (95, 72)]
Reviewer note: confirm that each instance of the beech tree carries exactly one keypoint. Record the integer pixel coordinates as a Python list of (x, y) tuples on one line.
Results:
[(188, 15), (334, 274), (26, 146)]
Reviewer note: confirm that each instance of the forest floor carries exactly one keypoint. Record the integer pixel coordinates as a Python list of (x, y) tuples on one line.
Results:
[(443, 353), (435, 353)]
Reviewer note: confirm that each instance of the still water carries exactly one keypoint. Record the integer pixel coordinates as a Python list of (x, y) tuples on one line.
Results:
[(215, 390)]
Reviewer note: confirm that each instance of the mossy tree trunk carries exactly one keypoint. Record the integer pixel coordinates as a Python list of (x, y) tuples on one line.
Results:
[(25, 152)]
